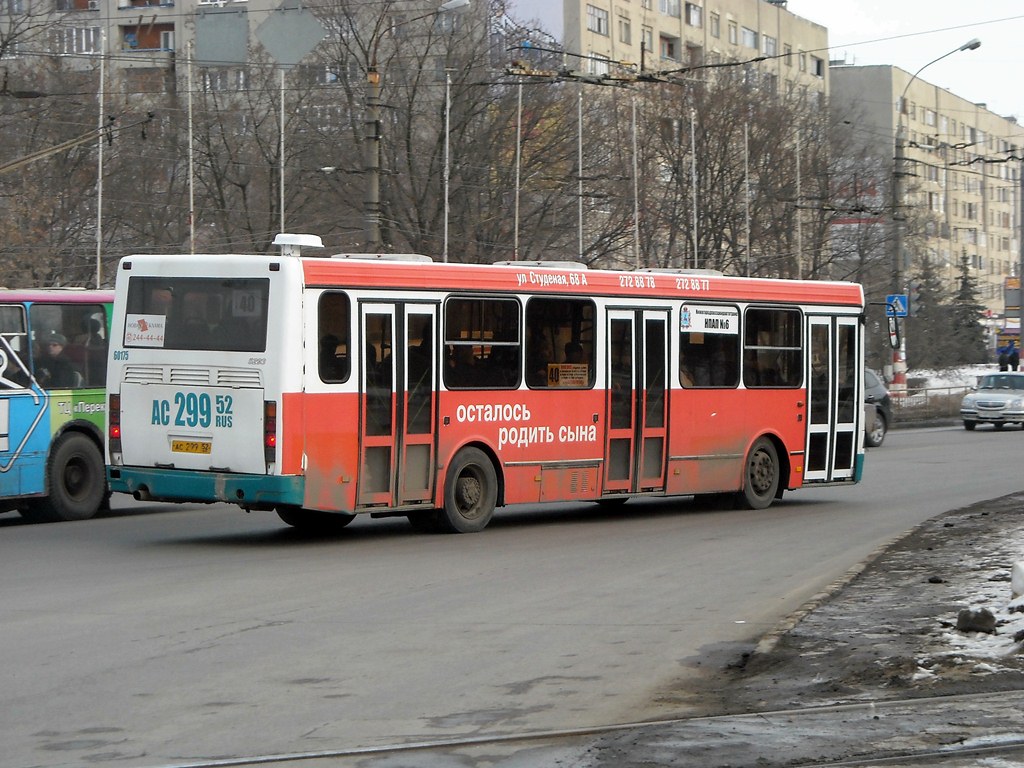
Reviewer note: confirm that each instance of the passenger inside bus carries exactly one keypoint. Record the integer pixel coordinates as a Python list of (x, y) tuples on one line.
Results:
[(333, 360), (12, 368), (53, 368), (419, 359), (462, 365), (573, 352)]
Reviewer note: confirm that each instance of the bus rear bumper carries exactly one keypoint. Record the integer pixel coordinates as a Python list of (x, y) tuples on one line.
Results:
[(256, 491)]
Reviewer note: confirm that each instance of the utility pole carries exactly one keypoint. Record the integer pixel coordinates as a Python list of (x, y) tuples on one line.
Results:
[(371, 199), (372, 135)]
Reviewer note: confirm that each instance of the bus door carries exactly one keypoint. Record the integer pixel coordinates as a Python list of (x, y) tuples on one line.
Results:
[(637, 401), (398, 395), (24, 417), (834, 398)]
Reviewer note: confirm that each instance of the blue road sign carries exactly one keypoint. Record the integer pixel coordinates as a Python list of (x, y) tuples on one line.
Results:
[(896, 305)]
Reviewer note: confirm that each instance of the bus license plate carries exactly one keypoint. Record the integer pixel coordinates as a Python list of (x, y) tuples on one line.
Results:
[(191, 446)]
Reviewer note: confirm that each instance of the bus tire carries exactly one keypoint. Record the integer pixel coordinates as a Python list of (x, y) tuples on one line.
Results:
[(470, 492), (313, 520), (760, 476), (76, 479)]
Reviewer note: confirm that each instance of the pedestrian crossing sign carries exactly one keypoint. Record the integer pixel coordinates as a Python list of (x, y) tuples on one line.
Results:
[(896, 305)]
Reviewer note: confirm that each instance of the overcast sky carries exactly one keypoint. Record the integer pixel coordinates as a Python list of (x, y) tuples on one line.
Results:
[(911, 33)]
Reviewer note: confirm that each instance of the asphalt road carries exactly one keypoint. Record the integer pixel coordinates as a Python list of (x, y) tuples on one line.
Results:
[(159, 635)]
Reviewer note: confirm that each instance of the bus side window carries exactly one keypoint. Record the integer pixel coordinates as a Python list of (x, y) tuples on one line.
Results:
[(773, 348), (560, 343), (13, 346), (482, 343), (333, 334)]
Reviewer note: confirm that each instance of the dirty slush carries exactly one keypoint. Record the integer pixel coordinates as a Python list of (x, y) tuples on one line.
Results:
[(886, 669)]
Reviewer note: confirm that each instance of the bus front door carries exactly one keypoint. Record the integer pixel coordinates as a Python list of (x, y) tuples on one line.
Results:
[(398, 394), (834, 399), (24, 416), (637, 436)]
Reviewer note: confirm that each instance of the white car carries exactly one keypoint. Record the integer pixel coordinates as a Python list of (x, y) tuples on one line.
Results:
[(998, 400)]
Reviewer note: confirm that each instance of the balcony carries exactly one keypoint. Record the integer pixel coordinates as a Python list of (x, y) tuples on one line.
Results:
[(129, 4), (71, 6)]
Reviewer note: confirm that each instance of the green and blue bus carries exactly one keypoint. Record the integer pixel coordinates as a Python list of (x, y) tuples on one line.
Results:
[(53, 360)]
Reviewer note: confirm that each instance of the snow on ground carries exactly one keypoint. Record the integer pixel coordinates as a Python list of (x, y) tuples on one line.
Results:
[(1009, 626), (964, 376)]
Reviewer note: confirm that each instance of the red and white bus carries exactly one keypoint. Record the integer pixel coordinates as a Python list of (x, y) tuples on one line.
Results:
[(390, 385)]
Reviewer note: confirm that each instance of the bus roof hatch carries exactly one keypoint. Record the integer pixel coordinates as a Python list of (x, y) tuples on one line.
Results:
[(292, 245)]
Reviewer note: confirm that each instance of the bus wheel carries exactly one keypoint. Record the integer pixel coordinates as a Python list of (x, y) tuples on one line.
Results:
[(470, 492), (313, 520), (761, 478), (77, 482)]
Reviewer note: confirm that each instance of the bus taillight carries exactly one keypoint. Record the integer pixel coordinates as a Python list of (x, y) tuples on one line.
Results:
[(270, 431), (114, 423)]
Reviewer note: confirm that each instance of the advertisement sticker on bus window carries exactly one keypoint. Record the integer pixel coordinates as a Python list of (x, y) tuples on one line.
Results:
[(245, 303), (144, 330), (707, 318), (568, 375)]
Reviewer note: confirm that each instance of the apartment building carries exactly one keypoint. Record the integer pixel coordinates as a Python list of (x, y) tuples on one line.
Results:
[(672, 35), (147, 42), (959, 170)]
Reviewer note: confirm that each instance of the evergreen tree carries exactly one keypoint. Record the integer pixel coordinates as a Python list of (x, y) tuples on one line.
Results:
[(967, 341), (930, 326)]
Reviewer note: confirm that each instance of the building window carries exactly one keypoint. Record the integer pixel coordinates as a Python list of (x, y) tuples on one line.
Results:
[(803, 61), (625, 31), (669, 48), (749, 38), (145, 37), (770, 46), (76, 40), (817, 66), (62, 5), (669, 8), (597, 20), (715, 25), (787, 52), (598, 64), (648, 40), (733, 33), (224, 79), (694, 15)]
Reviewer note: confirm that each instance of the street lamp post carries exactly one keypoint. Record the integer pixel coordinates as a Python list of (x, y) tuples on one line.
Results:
[(372, 137), (899, 356)]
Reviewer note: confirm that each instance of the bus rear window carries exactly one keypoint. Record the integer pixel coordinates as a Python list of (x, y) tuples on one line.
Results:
[(225, 314)]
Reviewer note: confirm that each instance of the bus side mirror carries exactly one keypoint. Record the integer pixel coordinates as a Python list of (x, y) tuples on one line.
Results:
[(894, 332)]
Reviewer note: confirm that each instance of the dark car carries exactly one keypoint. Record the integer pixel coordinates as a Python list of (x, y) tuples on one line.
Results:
[(877, 395)]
